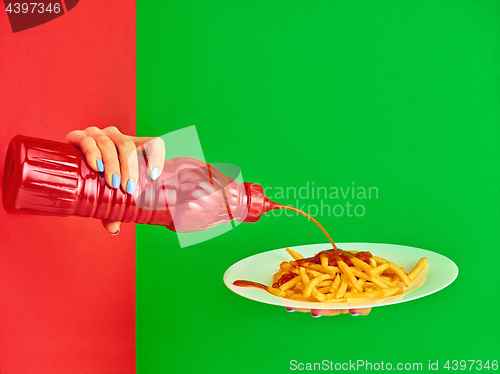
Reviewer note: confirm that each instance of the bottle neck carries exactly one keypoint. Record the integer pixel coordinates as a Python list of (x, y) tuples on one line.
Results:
[(257, 202)]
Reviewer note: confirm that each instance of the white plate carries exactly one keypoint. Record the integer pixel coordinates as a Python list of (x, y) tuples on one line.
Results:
[(261, 267)]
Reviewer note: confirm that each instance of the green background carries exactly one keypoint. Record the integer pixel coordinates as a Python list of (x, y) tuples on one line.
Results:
[(400, 95)]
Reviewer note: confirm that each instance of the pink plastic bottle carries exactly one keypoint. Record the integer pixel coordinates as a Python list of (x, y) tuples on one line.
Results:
[(52, 178)]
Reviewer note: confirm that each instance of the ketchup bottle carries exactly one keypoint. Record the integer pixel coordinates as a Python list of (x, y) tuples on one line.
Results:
[(53, 178)]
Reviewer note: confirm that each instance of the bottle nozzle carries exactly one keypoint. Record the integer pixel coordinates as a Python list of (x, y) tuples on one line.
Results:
[(270, 205)]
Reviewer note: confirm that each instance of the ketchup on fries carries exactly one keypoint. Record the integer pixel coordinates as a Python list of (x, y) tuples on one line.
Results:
[(337, 276)]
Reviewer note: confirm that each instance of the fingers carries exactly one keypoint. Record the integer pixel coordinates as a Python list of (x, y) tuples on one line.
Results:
[(316, 313), (110, 160), (297, 310), (154, 149), (128, 162), (110, 151), (89, 148), (113, 227), (115, 154), (360, 311)]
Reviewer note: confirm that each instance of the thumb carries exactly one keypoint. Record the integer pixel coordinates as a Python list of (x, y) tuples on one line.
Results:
[(113, 227)]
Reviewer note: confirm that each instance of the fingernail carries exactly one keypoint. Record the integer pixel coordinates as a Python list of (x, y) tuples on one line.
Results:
[(316, 315), (115, 233), (130, 186), (291, 310), (100, 165), (155, 173), (116, 180), (354, 314)]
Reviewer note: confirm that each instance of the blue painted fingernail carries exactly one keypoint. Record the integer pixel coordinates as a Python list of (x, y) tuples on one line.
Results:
[(316, 315), (155, 173), (116, 180), (291, 310), (100, 165), (355, 314), (130, 186), (115, 233)]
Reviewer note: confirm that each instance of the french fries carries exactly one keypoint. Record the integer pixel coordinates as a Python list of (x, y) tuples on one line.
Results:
[(350, 277), (422, 263)]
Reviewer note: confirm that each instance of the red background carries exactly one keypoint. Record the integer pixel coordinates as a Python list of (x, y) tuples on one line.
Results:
[(67, 287)]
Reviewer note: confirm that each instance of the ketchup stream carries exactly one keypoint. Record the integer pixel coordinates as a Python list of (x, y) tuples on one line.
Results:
[(312, 219), (333, 255)]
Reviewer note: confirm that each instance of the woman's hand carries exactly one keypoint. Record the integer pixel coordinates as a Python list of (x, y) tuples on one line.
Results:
[(316, 313), (115, 154)]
